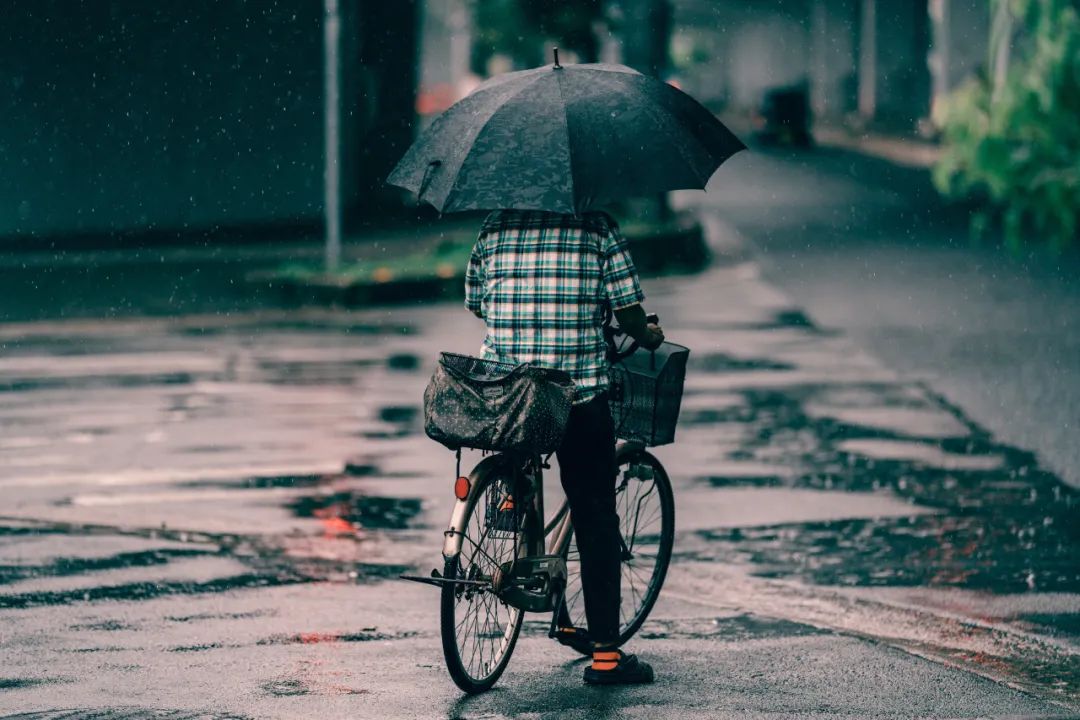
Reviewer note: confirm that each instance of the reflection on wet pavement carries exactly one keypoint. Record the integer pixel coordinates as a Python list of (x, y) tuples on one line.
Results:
[(360, 510), (60, 567), (722, 362), (15, 683), (1008, 526), (928, 550), (365, 635), (734, 628)]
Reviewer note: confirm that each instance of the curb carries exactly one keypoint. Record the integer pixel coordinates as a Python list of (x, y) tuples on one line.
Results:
[(678, 247)]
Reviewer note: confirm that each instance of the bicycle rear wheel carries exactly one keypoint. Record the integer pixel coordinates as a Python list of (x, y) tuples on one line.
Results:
[(646, 508), (479, 631)]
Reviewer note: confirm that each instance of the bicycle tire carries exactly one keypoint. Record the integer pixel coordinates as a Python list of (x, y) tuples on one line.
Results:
[(466, 673), (630, 622)]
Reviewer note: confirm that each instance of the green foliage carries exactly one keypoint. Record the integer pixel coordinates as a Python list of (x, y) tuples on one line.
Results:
[(1016, 138), (446, 260)]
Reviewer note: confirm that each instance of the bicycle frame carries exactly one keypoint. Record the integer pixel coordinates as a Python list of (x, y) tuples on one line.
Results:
[(557, 530), (452, 544)]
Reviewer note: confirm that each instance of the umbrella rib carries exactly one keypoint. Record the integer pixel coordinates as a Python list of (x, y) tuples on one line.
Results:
[(569, 145)]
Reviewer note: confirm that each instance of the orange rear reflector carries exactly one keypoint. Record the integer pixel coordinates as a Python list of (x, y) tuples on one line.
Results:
[(461, 488)]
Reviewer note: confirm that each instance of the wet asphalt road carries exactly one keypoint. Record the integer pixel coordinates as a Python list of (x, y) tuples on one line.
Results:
[(868, 247), (203, 516)]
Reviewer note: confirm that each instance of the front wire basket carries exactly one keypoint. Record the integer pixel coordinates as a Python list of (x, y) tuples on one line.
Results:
[(646, 393)]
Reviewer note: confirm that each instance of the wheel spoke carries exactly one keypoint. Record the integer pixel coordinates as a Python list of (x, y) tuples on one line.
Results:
[(484, 628), (642, 506)]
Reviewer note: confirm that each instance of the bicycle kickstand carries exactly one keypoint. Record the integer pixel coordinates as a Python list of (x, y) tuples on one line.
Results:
[(560, 595)]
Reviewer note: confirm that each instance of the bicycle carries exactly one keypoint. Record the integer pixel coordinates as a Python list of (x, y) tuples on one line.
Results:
[(502, 559)]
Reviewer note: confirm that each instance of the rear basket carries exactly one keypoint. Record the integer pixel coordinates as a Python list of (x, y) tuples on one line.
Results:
[(646, 393), (489, 405)]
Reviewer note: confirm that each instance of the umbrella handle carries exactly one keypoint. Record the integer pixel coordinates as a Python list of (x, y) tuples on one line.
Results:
[(557, 65)]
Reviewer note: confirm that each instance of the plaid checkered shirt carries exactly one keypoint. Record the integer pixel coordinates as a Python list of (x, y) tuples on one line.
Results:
[(541, 280)]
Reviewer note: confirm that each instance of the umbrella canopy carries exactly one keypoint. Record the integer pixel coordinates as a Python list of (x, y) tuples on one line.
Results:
[(564, 139)]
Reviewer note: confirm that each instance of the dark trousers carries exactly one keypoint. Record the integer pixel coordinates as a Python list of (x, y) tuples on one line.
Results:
[(587, 461)]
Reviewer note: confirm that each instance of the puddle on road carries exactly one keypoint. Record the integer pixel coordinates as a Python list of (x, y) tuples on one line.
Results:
[(787, 320), (1004, 524), (403, 361), (352, 509), (15, 528), (734, 628), (209, 449), (271, 562), (398, 420), (400, 415), (90, 382), (314, 638), (20, 683), (312, 372), (103, 626), (1059, 625), (201, 617), (920, 551), (60, 567), (738, 628), (262, 482), (62, 346), (722, 362), (285, 688), (198, 648), (150, 590)]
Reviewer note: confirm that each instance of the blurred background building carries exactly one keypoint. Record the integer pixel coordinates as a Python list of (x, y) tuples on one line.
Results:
[(134, 120), (877, 61), (151, 119)]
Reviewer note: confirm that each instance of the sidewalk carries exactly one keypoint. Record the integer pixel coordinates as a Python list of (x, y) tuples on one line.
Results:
[(419, 262), (430, 266)]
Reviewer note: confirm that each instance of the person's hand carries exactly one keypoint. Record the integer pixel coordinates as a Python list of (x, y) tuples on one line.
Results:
[(654, 336)]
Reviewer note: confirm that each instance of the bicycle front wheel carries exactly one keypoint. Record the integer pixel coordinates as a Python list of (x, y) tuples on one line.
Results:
[(646, 509), (479, 631)]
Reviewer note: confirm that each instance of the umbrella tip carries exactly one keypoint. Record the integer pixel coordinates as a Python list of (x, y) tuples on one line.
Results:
[(557, 65)]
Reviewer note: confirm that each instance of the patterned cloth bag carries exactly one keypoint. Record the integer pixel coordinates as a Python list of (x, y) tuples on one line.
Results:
[(476, 403)]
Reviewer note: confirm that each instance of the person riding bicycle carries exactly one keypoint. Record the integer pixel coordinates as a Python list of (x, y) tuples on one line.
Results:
[(542, 282)]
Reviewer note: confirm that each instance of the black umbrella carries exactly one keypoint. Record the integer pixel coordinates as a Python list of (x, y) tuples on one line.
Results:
[(564, 139)]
